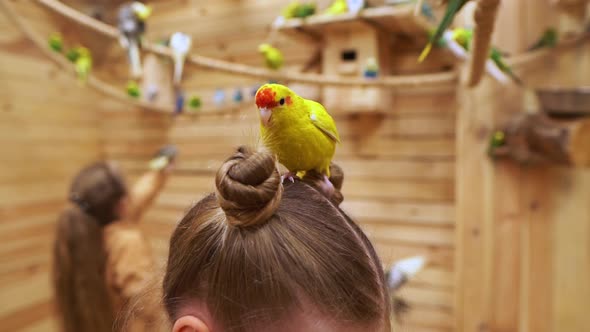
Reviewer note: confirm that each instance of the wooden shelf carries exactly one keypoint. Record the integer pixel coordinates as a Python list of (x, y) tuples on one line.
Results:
[(392, 19)]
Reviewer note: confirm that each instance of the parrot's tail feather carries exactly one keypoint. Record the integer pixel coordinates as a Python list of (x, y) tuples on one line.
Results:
[(425, 52)]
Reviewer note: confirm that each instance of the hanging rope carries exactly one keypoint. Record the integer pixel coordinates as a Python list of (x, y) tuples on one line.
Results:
[(93, 81), (402, 81), (484, 17)]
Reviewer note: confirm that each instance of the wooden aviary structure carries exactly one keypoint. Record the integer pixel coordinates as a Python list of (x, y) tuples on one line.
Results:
[(351, 41), (507, 244)]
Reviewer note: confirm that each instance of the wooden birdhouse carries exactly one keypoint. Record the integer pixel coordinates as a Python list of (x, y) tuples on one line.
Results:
[(348, 50), (358, 46)]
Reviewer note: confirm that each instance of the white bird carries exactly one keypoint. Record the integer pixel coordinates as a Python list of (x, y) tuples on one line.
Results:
[(404, 270), (180, 43)]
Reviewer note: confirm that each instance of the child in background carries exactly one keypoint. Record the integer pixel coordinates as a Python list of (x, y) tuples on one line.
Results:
[(101, 259), (259, 255)]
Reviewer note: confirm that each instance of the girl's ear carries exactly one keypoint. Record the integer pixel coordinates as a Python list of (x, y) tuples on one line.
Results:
[(190, 324)]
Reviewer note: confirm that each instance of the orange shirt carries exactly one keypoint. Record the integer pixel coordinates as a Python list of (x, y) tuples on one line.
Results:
[(130, 263)]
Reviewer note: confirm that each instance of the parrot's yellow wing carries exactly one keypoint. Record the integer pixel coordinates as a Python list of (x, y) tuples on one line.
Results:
[(322, 120)]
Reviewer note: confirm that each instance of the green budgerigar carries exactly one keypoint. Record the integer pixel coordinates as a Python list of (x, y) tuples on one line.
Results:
[(337, 7), (56, 42), (548, 39), (273, 58), (453, 7), (498, 58), (295, 9)]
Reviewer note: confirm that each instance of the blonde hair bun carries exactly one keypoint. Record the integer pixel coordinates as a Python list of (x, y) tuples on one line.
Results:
[(249, 187)]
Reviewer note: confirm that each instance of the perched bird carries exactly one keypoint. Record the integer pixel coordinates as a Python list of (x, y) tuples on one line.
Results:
[(497, 140), (219, 97), (402, 271), (131, 23), (337, 7), (73, 54), (397, 276), (195, 102), (299, 131), (238, 96), (453, 7), (354, 6), (371, 68), (178, 101), (133, 89), (151, 92), (290, 10), (464, 37), (83, 63), (273, 58), (180, 44), (548, 39), (56, 42), (498, 57), (305, 10), (299, 10), (427, 11)]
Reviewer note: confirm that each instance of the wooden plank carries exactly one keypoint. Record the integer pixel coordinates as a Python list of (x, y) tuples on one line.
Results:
[(572, 250), (21, 295), (391, 251), (538, 253), (28, 317), (409, 234), (48, 324), (436, 214)]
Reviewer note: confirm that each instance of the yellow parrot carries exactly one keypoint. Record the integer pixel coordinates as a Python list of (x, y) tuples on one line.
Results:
[(299, 131), (337, 7), (83, 64), (273, 58)]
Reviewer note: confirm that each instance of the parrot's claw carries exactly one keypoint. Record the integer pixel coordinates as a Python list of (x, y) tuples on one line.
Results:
[(289, 176), (327, 187)]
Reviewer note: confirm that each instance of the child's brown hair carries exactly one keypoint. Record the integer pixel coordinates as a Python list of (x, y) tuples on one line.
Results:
[(79, 258), (255, 250)]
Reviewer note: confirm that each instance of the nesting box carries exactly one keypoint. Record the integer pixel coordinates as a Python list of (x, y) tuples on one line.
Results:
[(351, 44), (347, 50)]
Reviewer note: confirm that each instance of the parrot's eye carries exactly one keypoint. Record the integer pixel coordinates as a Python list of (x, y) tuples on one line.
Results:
[(282, 101)]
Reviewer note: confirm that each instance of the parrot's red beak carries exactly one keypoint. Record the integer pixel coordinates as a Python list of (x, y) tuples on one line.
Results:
[(265, 100)]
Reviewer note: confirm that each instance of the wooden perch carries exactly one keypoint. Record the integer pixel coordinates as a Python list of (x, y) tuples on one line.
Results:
[(484, 16), (536, 138)]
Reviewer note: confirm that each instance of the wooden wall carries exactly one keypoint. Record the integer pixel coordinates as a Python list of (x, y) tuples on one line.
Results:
[(522, 231), (48, 130), (400, 178)]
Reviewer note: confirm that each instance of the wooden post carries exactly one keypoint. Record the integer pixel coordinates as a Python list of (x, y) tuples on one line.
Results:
[(491, 201), (536, 138)]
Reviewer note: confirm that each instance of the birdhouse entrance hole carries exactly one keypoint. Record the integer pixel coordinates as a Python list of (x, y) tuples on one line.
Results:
[(348, 55)]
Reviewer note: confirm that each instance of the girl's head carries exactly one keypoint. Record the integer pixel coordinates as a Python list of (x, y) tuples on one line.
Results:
[(79, 258), (99, 190), (260, 256)]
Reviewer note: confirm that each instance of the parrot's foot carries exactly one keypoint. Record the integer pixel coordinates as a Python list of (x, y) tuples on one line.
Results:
[(289, 176)]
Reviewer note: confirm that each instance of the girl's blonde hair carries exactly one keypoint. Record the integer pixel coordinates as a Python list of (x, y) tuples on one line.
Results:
[(256, 249), (79, 257)]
